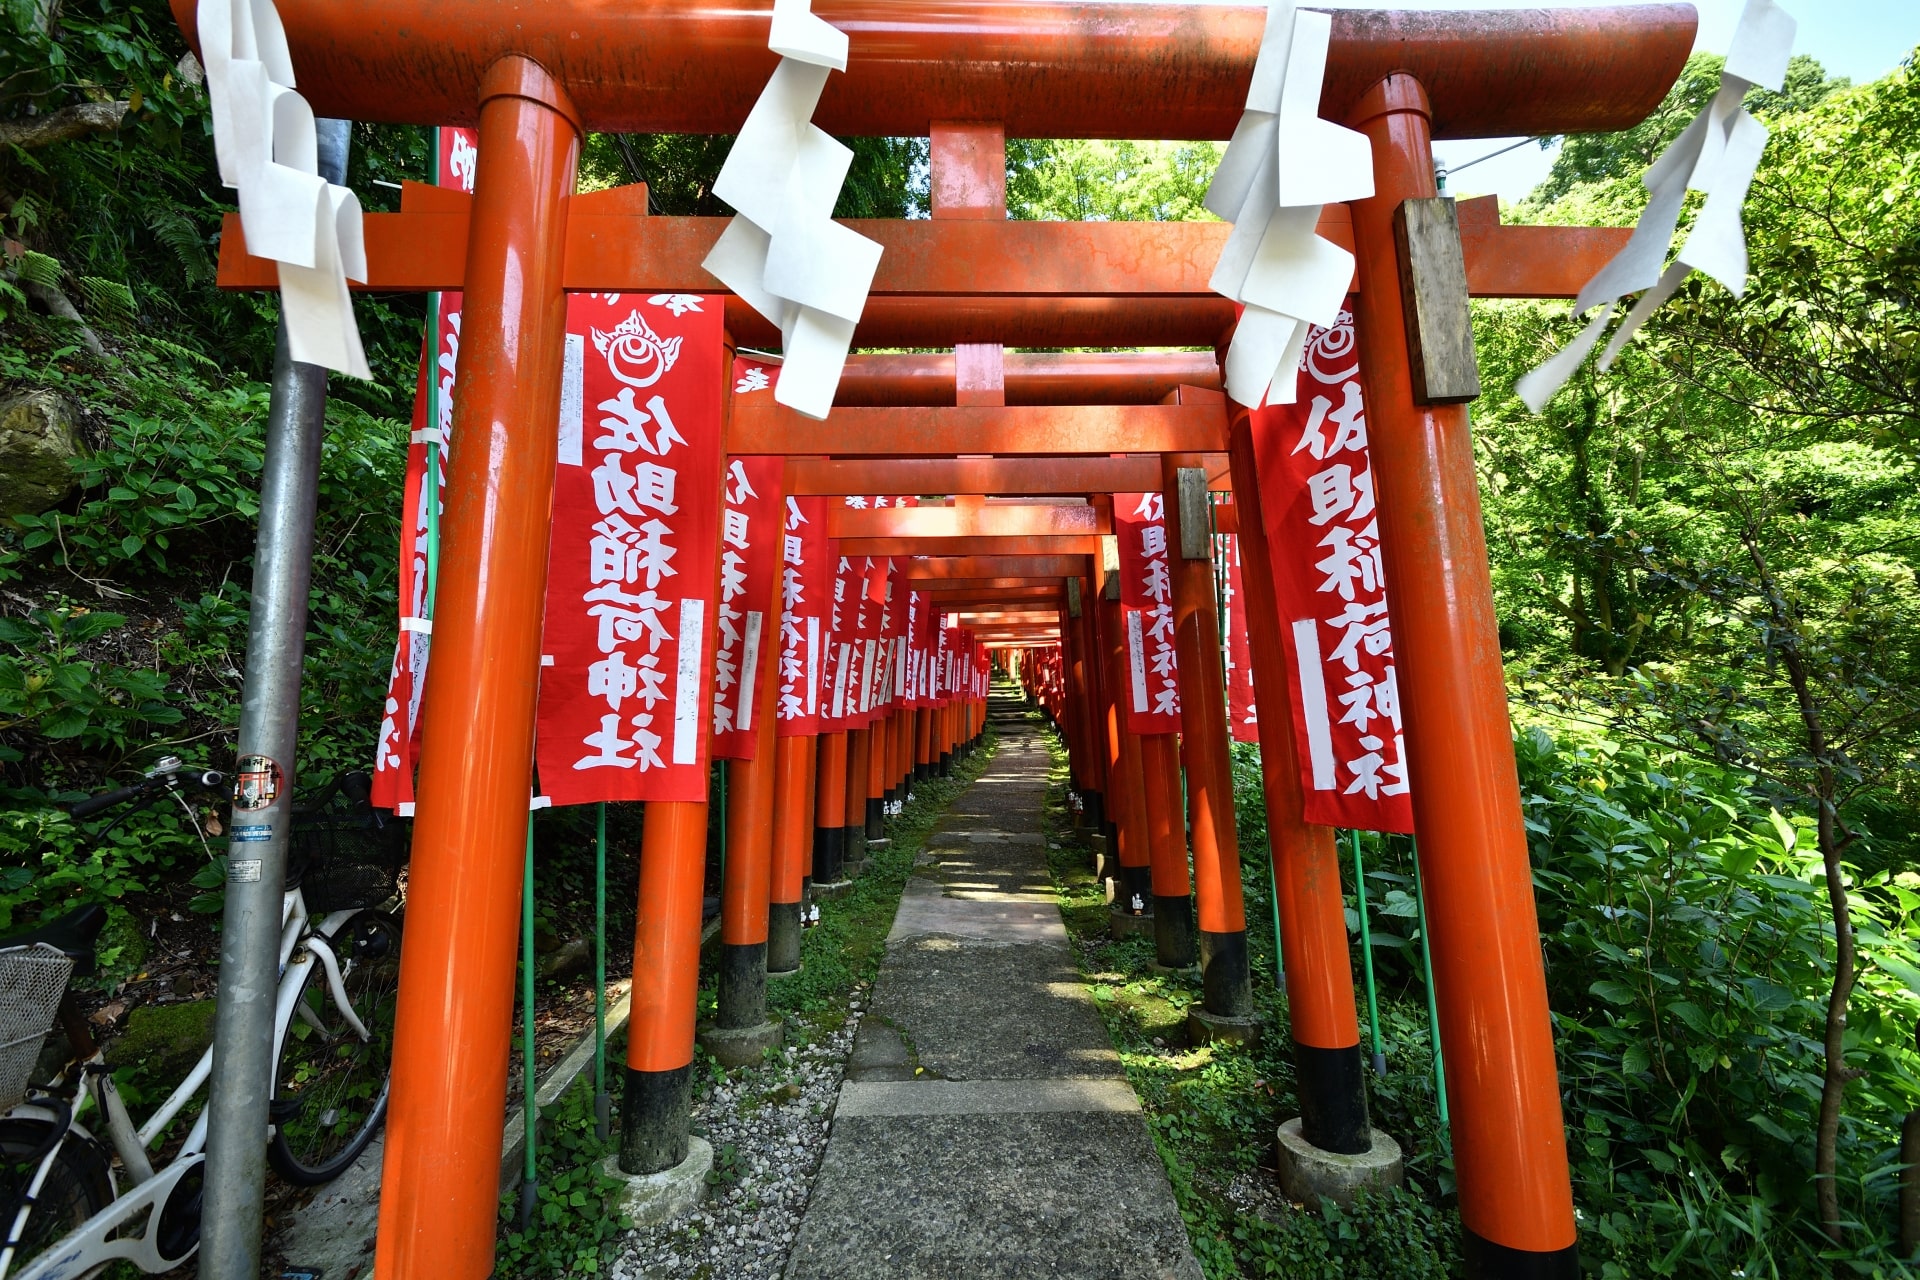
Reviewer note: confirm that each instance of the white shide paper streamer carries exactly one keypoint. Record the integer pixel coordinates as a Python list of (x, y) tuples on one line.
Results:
[(1283, 164), (263, 137), (1717, 154), (784, 254)]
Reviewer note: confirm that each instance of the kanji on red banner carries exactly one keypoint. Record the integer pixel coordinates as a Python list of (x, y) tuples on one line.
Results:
[(625, 707), (1317, 497), (1146, 607), (399, 742), (806, 585), (1238, 659), (750, 541)]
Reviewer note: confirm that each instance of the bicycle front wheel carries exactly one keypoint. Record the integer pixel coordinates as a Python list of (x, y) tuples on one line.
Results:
[(77, 1185), (330, 1084)]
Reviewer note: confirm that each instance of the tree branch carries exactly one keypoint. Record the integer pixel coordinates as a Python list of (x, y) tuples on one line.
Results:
[(63, 125)]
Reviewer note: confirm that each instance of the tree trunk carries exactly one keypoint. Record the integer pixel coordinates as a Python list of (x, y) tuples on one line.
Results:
[(1835, 1075)]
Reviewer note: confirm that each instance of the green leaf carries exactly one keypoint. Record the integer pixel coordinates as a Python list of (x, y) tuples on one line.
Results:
[(1783, 830), (1738, 858), (1613, 992), (1900, 969), (1690, 1013)]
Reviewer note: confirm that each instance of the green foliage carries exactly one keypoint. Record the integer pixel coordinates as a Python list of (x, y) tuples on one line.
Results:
[(1097, 181), (1689, 950), (575, 1231), (1598, 157), (887, 178)]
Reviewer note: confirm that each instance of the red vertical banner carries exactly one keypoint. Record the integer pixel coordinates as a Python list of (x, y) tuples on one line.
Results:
[(398, 746), (841, 685), (1316, 484), (876, 686), (626, 705), (1146, 608), (750, 540), (806, 589), (919, 626), (1237, 658)]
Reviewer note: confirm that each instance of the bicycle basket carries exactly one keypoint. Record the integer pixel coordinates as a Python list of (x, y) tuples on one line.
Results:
[(32, 980), (346, 854)]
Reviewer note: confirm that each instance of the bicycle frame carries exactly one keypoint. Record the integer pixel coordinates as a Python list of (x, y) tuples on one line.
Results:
[(97, 1241)]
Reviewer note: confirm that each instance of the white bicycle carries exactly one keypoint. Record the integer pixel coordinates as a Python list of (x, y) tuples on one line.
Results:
[(70, 1204)]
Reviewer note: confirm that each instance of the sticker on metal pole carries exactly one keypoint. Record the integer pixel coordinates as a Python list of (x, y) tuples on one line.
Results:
[(256, 783)]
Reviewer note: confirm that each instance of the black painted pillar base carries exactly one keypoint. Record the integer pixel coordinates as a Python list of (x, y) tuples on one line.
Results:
[(783, 937), (654, 1115), (1489, 1261), (1333, 1098), (1173, 932), (876, 818), (1224, 975), (829, 854), (1134, 892), (742, 985), (945, 768)]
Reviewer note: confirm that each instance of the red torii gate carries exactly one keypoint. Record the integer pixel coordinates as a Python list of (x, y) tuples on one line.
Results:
[(535, 77)]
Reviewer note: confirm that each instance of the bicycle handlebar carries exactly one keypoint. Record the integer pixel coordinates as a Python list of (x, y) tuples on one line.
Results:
[(207, 780), (107, 799)]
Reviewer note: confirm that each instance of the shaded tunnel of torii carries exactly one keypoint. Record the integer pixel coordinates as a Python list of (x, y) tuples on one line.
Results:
[(978, 424)]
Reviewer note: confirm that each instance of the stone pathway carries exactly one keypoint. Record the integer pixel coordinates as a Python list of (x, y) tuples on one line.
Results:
[(985, 1128)]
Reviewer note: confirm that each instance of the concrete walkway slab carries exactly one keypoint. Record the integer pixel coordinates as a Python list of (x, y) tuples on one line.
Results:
[(986, 1128)]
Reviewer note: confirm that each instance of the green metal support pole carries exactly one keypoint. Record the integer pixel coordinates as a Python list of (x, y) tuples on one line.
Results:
[(1366, 957), (430, 477), (602, 1100), (529, 1101), (1433, 1008)]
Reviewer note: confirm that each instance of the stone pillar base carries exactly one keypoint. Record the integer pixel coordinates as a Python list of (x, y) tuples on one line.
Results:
[(1208, 1028), (832, 889), (1308, 1173), (1124, 924), (650, 1199), (741, 1046)]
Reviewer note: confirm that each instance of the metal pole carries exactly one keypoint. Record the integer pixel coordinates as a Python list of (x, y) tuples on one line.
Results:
[(529, 1098), (1366, 957), (602, 1101), (263, 803), (1433, 1005)]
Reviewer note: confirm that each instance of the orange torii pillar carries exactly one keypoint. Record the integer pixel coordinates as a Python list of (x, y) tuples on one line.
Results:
[(1134, 898), (1306, 865), (792, 848), (1081, 693), (1228, 1011), (1167, 851), (830, 813), (451, 1034), (853, 841), (1509, 1141), (923, 756), (877, 757), (741, 1031)]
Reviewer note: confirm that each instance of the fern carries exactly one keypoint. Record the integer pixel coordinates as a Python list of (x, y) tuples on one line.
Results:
[(177, 351), (41, 269), (108, 297), (177, 232)]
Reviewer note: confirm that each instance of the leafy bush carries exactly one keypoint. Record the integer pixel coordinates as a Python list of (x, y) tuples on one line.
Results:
[(1689, 954)]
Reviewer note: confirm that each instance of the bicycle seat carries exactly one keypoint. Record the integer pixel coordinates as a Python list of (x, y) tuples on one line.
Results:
[(72, 934)]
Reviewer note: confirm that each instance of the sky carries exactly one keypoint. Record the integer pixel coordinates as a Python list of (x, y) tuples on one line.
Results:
[(1863, 39)]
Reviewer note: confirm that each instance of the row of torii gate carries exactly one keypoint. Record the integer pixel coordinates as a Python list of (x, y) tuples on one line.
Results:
[(981, 422)]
